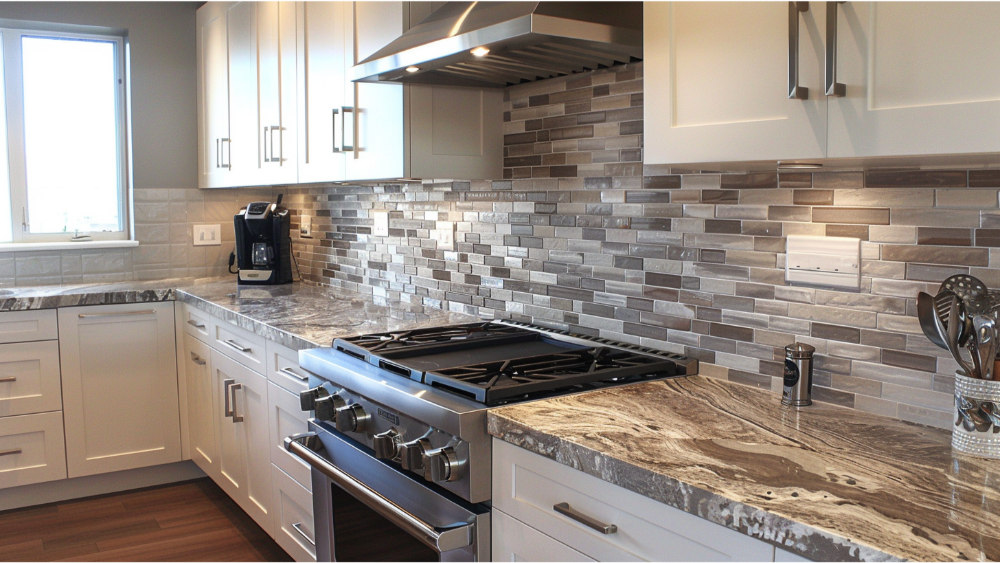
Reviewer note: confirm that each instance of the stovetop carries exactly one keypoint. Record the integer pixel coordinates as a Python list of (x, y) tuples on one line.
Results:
[(493, 363)]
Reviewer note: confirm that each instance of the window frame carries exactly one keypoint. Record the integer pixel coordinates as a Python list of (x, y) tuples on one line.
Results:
[(17, 165)]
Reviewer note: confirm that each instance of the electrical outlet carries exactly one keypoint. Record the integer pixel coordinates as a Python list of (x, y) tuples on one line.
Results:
[(305, 226), (444, 234), (381, 228), (207, 235)]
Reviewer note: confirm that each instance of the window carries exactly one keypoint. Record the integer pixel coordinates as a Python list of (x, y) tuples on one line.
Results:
[(64, 135)]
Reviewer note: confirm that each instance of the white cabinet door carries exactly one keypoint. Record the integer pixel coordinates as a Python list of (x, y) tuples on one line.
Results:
[(202, 419), (31, 449), (276, 45), (378, 116), (119, 378), (717, 82), (516, 541), (920, 79), (322, 88), (213, 96), (293, 517), (29, 378), (244, 455), (287, 419), (241, 150)]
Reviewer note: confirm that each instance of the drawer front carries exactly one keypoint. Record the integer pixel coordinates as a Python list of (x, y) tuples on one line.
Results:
[(28, 326), (516, 541), (283, 368), (241, 345), (293, 522), (528, 487), (287, 418), (31, 449), (196, 322), (29, 378)]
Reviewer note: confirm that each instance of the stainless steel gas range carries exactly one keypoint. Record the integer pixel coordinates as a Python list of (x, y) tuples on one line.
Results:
[(402, 462)]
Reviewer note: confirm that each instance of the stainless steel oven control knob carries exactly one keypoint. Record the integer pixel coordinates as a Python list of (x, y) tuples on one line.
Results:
[(387, 444), (352, 418), (411, 455), (326, 407), (441, 465), (308, 398)]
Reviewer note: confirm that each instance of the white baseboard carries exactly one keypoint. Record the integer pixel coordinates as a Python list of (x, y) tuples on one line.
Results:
[(80, 487)]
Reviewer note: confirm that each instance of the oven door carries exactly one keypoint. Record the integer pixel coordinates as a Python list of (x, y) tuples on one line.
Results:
[(366, 510)]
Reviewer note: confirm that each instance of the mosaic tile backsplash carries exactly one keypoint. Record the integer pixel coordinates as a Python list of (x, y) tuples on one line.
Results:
[(580, 235)]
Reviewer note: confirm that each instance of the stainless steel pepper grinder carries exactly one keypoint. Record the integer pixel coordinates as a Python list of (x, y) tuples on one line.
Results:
[(798, 375)]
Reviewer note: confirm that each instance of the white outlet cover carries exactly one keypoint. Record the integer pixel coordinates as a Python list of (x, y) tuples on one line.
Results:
[(381, 228), (833, 262), (305, 226), (444, 234), (207, 235)]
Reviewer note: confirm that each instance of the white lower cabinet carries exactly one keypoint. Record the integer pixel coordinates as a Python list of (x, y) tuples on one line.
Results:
[(567, 505), (202, 428), (287, 419), (31, 449), (119, 377), (244, 457), (293, 517), (29, 378), (516, 541)]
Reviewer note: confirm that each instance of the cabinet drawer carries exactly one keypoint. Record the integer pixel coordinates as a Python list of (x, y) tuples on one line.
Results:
[(28, 326), (29, 378), (528, 486), (293, 522), (239, 344), (286, 419), (283, 368), (197, 323), (516, 541), (31, 449)]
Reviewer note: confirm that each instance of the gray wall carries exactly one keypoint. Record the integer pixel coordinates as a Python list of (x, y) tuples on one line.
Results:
[(163, 68)]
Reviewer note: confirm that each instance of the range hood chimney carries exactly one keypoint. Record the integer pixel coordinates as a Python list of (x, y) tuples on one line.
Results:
[(499, 44)]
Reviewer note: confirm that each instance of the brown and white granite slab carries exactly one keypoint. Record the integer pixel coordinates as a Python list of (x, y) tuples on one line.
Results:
[(826, 482), (54, 296), (303, 316)]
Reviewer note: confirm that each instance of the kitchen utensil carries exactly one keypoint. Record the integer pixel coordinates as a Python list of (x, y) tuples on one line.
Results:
[(942, 306), (986, 344), (965, 287), (951, 324), (972, 418), (991, 412), (926, 314), (977, 402)]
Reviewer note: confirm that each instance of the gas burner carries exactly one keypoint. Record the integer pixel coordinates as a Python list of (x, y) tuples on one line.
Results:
[(421, 338), (501, 381)]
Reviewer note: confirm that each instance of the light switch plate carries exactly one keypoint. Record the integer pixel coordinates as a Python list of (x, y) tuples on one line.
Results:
[(833, 262), (381, 228), (305, 226), (444, 234), (207, 235)]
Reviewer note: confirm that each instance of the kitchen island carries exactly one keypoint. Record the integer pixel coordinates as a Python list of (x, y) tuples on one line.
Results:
[(824, 482)]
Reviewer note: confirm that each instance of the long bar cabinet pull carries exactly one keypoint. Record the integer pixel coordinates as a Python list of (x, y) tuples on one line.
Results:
[(795, 92), (833, 88), (298, 528), (565, 509), (10, 379), (14, 451), (227, 406), (288, 371), (333, 130), (232, 391), (121, 314)]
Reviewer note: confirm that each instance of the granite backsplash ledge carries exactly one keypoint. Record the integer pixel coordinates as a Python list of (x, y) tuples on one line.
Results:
[(688, 262)]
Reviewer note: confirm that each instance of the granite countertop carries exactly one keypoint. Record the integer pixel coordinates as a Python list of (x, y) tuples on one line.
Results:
[(826, 482), (72, 295), (305, 316)]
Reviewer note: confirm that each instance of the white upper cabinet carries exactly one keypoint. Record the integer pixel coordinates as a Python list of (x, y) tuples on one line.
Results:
[(276, 83), (920, 79), (213, 96), (717, 80), (322, 97), (242, 152)]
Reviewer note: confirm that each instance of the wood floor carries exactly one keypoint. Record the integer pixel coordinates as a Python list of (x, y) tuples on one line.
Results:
[(191, 521)]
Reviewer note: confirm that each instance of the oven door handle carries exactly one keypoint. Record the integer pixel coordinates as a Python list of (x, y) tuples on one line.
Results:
[(440, 539)]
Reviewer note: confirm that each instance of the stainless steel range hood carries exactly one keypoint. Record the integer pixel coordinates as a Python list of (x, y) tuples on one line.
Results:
[(527, 41)]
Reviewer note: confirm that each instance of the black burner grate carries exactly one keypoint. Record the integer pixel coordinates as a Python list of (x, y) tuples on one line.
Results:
[(504, 380)]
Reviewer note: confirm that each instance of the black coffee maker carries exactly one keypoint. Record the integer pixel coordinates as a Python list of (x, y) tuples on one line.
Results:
[(263, 244)]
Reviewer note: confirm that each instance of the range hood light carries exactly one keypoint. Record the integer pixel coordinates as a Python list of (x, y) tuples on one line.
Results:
[(480, 51), (799, 165), (413, 69)]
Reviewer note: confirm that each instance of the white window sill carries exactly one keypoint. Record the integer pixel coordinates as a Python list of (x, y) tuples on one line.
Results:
[(87, 245)]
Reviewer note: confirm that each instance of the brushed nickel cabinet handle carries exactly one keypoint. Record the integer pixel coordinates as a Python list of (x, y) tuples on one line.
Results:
[(232, 391), (227, 408), (357, 116), (833, 88), (298, 528), (122, 314), (196, 359), (333, 130), (288, 371), (15, 451), (10, 379), (229, 143), (795, 92), (217, 151), (565, 509), (344, 145), (196, 324), (236, 346)]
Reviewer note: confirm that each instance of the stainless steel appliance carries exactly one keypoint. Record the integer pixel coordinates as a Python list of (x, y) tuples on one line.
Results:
[(263, 244), (398, 436), (797, 390)]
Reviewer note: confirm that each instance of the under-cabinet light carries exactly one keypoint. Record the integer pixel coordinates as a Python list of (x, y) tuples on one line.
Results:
[(412, 69), (480, 51)]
